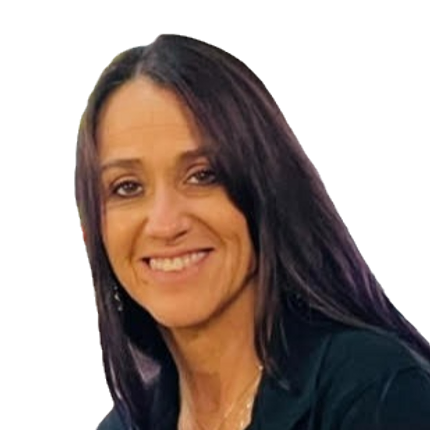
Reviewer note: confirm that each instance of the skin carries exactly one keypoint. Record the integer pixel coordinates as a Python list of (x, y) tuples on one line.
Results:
[(161, 203)]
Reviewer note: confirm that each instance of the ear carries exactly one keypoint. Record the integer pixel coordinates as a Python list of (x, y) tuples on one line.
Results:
[(84, 234)]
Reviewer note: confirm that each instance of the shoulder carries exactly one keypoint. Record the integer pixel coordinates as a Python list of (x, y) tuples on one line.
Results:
[(355, 358), (372, 380), (400, 401), (346, 378), (112, 421), (362, 348)]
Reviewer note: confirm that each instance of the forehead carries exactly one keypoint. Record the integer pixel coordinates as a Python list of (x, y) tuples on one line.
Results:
[(141, 110)]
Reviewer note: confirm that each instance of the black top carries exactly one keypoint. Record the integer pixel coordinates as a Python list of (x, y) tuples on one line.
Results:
[(341, 378)]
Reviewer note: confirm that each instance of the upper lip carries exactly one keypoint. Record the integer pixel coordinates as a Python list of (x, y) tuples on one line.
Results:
[(175, 253)]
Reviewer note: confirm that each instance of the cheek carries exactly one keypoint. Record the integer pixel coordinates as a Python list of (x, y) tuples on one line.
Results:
[(246, 247), (118, 234), (236, 235)]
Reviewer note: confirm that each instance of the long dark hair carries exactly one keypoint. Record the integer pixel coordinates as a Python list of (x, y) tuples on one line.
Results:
[(306, 256)]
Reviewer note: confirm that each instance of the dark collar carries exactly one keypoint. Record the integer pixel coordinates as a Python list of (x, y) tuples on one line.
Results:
[(280, 406)]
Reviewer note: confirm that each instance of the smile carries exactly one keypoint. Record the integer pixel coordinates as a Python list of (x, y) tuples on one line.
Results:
[(177, 270), (176, 264)]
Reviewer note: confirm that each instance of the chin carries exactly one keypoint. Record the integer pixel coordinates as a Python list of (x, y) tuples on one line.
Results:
[(180, 320)]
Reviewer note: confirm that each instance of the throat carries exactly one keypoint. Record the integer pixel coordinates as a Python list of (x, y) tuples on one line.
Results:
[(203, 412)]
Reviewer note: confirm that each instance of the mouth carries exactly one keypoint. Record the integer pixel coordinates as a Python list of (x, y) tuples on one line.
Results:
[(147, 259), (187, 273)]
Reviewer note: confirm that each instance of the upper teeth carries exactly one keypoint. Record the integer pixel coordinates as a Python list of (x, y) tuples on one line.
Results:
[(177, 263)]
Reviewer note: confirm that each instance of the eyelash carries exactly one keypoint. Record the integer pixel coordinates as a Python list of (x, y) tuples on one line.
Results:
[(134, 183)]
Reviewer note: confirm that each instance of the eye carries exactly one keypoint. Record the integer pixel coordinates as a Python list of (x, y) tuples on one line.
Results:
[(204, 176), (127, 188)]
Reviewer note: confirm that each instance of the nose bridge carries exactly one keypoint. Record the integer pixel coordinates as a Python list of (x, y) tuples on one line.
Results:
[(165, 213)]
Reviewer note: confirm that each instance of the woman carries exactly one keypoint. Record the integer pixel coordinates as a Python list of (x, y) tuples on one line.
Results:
[(230, 293)]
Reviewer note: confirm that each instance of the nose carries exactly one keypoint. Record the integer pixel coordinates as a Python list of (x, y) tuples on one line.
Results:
[(166, 217)]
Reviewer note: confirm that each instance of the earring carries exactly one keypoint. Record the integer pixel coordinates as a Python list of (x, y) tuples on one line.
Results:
[(117, 298)]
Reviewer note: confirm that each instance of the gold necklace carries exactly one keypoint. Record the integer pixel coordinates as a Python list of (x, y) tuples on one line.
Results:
[(243, 413)]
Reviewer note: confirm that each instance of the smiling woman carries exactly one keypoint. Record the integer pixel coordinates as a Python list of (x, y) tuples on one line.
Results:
[(229, 291), (176, 242)]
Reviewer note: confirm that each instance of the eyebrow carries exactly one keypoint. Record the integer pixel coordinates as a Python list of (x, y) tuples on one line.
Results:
[(135, 163)]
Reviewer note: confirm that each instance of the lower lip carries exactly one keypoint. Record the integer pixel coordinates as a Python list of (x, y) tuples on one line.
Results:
[(174, 277)]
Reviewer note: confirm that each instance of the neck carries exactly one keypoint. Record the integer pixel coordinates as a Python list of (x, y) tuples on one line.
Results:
[(216, 362)]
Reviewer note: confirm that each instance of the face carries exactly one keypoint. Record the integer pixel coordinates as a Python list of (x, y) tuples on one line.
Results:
[(176, 242)]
